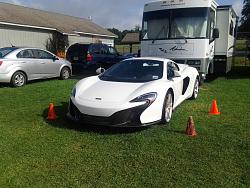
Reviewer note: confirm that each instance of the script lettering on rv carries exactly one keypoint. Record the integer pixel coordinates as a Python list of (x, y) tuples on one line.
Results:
[(175, 48)]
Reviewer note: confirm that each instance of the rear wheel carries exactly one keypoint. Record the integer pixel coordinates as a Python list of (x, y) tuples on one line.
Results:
[(167, 108), (18, 79), (65, 73)]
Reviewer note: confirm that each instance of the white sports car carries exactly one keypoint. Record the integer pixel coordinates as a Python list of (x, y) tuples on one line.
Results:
[(135, 92)]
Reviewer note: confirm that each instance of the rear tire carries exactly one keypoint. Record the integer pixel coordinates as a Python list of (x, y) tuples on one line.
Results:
[(65, 73), (18, 79), (167, 110)]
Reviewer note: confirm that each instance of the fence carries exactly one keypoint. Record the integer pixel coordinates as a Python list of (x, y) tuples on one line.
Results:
[(123, 49), (242, 49)]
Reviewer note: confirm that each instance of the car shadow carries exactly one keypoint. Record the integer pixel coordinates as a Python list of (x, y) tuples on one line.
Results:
[(3, 85), (63, 122)]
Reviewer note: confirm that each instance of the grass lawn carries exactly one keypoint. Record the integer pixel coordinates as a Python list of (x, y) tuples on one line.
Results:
[(37, 153)]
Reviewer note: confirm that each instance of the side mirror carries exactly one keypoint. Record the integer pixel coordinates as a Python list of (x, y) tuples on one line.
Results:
[(100, 70), (55, 58), (216, 33), (177, 73)]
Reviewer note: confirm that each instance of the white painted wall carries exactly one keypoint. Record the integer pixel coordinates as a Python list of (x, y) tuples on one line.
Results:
[(90, 39), (28, 37), (23, 37)]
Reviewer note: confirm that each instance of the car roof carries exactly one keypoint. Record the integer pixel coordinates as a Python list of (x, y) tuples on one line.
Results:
[(150, 58)]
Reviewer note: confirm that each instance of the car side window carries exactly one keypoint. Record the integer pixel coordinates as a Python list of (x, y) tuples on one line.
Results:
[(171, 67), (95, 49), (104, 49), (112, 51), (40, 54), (25, 54)]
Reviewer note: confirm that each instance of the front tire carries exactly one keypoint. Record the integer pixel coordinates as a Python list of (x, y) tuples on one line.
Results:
[(195, 90), (18, 79), (167, 110), (65, 73)]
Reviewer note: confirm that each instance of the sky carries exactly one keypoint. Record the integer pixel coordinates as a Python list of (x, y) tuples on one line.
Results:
[(121, 14)]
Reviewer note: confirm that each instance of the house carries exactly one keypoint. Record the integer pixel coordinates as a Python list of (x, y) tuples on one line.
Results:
[(23, 26)]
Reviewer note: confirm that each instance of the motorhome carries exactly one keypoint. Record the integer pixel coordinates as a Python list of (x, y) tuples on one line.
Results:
[(198, 33)]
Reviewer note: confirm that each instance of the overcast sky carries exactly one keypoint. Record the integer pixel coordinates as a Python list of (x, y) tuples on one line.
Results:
[(121, 14)]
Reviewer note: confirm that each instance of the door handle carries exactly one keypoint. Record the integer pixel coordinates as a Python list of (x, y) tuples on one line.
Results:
[(43, 63)]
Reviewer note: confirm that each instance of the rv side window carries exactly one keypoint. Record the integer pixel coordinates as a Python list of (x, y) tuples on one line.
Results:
[(212, 23), (231, 31), (235, 31)]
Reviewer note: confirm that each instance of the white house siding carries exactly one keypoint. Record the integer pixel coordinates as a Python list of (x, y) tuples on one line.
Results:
[(23, 37), (29, 37), (90, 39)]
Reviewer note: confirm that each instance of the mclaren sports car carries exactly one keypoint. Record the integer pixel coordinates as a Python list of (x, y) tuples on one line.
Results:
[(135, 92)]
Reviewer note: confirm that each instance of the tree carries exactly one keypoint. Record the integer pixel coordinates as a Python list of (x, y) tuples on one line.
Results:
[(121, 34), (57, 43), (245, 19)]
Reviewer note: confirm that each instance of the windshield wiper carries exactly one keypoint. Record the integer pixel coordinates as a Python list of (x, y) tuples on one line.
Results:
[(158, 34), (182, 37)]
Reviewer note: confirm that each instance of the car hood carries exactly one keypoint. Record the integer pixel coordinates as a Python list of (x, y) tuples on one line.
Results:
[(94, 89)]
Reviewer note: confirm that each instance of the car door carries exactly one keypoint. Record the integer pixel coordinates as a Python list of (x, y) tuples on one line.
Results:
[(113, 55), (98, 56), (177, 82), (51, 65), (30, 64)]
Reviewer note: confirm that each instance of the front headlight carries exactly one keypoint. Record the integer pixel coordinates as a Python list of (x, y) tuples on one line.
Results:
[(73, 93), (149, 98)]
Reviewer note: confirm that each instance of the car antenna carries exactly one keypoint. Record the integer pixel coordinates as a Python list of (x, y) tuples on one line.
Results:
[(11, 44)]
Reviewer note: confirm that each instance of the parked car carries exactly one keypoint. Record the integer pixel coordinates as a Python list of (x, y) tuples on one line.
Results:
[(134, 92), (94, 55), (19, 65)]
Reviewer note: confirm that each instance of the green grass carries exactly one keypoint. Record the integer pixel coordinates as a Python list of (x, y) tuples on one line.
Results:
[(38, 153), (241, 45), (241, 61)]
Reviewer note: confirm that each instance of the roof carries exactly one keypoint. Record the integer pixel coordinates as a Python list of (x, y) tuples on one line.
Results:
[(28, 17), (131, 38)]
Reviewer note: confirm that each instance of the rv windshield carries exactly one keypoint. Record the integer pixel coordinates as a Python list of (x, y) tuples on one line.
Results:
[(175, 24)]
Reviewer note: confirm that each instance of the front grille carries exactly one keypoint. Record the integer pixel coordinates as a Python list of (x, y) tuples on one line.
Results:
[(129, 116)]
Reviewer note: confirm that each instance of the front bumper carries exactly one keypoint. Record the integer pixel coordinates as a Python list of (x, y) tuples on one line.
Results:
[(124, 118)]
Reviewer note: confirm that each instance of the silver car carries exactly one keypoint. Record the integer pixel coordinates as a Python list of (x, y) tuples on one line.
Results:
[(19, 65)]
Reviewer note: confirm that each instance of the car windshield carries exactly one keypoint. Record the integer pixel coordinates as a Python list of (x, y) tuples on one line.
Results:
[(175, 23), (135, 71), (6, 51)]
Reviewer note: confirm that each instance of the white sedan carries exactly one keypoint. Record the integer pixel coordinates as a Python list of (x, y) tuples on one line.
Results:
[(135, 92)]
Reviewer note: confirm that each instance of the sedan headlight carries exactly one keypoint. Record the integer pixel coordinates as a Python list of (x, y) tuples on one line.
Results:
[(149, 98), (73, 93)]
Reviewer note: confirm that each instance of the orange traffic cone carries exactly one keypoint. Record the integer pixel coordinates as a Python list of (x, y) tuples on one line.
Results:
[(214, 108), (190, 131), (51, 114)]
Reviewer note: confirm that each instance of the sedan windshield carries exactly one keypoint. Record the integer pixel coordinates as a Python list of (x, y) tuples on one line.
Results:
[(6, 51), (135, 71)]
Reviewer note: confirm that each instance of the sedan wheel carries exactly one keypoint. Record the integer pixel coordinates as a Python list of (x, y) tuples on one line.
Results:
[(167, 108), (65, 73), (18, 79)]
